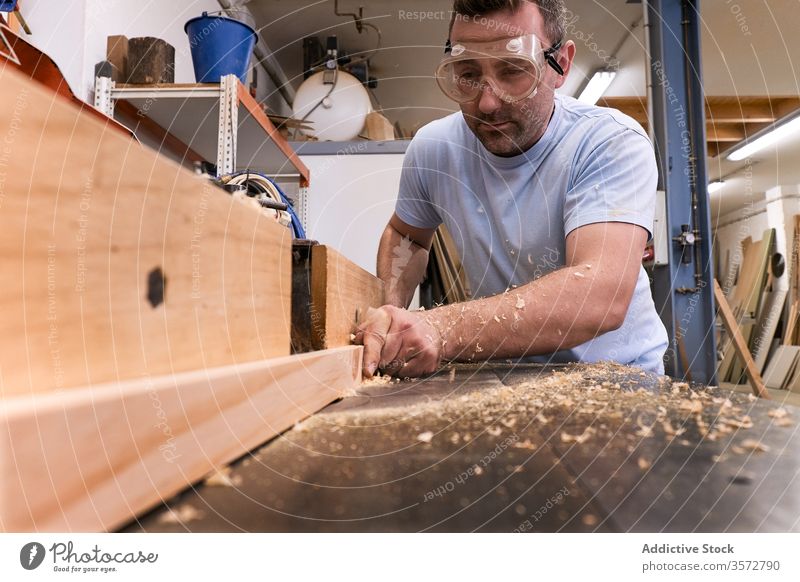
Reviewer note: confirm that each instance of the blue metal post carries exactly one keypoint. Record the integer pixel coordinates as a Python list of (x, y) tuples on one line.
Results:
[(683, 290)]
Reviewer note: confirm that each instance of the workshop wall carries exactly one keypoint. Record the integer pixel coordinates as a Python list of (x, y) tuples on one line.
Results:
[(76, 37)]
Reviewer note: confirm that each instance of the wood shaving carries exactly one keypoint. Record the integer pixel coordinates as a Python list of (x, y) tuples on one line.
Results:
[(526, 444), (778, 412), (425, 437), (494, 431), (497, 319), (520, 302), (579, 439), (744, 422), (589, 520), (693, 406), (223, 478), (643, 463), (182, 514), (755, 446), (478, 470)]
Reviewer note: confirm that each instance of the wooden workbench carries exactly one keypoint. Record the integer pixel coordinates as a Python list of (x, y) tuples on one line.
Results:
[(526, 448)]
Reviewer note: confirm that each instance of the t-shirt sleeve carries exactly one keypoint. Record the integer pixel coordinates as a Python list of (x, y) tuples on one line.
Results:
[(414, 205), (615, 182)]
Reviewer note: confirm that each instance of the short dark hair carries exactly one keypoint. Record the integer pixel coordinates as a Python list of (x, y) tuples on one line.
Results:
[(553, 13)]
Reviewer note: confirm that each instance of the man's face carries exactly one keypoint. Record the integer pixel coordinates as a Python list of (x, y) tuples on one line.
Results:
[(508, 129)]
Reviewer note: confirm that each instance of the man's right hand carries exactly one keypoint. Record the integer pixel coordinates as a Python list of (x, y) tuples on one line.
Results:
[(399, 342)]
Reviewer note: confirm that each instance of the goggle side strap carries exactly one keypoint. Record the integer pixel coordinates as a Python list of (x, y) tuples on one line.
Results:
[(551, 60)]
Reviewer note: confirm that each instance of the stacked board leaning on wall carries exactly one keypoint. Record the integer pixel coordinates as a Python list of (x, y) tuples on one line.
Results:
[(783, 369), (752, 300)]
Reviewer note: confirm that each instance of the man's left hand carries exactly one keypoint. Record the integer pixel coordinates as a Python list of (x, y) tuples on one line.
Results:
[(399, 342)]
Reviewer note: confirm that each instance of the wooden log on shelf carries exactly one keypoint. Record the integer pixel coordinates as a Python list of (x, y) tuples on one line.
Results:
[(90, 459), (150, 60), (118, 263)]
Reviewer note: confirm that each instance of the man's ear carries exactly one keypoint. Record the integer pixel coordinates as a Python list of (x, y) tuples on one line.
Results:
[(565, 57)]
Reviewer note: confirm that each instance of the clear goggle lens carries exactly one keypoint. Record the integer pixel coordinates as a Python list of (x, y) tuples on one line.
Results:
[(511, 79)]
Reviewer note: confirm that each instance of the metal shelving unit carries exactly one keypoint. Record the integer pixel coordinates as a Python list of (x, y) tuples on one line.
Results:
[(213, 121)]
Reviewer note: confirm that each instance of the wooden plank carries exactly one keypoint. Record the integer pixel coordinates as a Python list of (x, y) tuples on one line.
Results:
[(95, 224), (117, 54), (255, 110), (782, 362), (378, 128), (90, 459), (341, 293), (767, 325), (730, 324)]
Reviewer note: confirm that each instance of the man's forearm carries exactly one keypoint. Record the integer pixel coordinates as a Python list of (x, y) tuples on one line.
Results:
[(401, 266), (559, 311)]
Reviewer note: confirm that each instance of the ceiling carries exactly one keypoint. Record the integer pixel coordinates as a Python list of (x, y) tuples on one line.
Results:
[(750, 50)]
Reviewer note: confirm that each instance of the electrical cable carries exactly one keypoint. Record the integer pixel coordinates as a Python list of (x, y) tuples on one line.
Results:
[(265, 186)]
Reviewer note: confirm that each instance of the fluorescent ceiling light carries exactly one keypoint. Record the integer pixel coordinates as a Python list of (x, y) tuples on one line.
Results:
[(595, 88), (715, 185), (772, 136)]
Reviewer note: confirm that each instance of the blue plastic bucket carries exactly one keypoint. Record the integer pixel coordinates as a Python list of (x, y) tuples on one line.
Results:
[(220, 46)]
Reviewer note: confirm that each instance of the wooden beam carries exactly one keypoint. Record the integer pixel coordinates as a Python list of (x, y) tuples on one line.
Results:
[(118, 263), (90, 459), (729, 321), (341, 294), (635, 107), (724, 133)]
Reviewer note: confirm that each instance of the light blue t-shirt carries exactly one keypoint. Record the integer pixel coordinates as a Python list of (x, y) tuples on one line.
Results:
[(510, 216)]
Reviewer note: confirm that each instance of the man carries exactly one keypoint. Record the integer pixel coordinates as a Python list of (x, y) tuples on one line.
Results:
[(550, 202)]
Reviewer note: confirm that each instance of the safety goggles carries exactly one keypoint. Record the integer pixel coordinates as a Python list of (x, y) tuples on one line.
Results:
[(512, 67)]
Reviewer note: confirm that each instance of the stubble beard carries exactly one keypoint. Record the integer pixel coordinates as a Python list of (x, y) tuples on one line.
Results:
[(526, 125)]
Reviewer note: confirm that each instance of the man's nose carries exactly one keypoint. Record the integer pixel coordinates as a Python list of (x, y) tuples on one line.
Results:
[(488, 101)]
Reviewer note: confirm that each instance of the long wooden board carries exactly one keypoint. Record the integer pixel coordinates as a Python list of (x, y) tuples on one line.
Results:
[(732, 327), (116, 262), (341, 294), (90, 459)]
